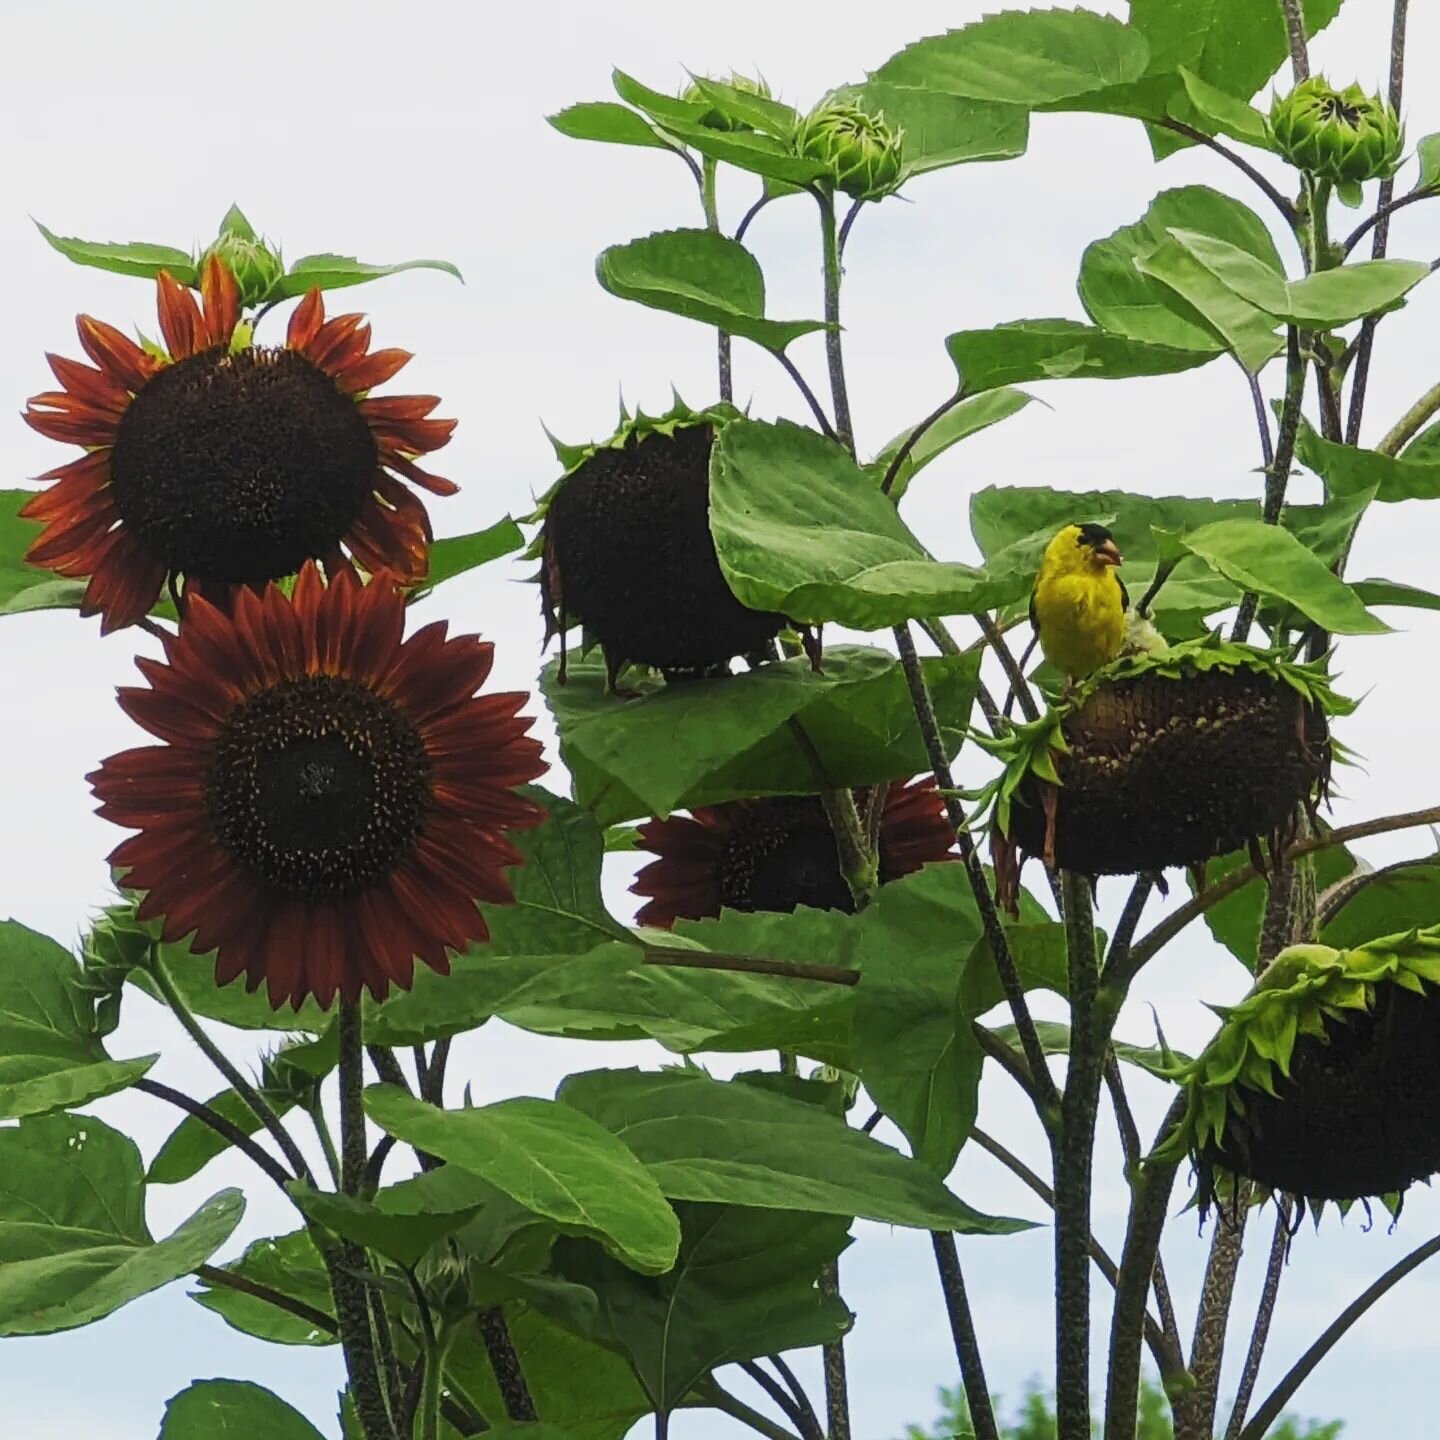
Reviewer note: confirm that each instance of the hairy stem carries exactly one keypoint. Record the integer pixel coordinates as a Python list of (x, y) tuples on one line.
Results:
[(1195, 1410), (1264, 1314), (1365, 344), (1048, 1098), (229, 1280), (834, 355), (811, 399), (712, 223), (1150, 1198), (231, 1133), (1295, 34), (962, 1332), (222, 1062), (837, 1388), (1089, 1035), (505, 1362)]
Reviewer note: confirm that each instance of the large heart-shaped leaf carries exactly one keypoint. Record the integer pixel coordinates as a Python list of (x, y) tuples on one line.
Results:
[(74, 1246), (232, 1410), (702, 275), (553, 1160), (291, 1266), (738, 1144)]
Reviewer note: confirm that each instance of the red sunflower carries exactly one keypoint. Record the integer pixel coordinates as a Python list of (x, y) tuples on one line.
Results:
[(229, 463), (777, 854), (330, 800)]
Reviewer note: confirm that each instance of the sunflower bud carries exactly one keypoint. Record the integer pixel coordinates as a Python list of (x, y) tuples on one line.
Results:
[(860, 149), (1344, 136), (256, 267), (716, 119)]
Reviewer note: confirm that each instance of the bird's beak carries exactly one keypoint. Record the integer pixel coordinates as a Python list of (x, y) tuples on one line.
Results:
[(1108, 554)]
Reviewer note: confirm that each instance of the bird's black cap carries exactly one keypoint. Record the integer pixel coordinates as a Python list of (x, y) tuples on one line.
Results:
[(1094, 535)]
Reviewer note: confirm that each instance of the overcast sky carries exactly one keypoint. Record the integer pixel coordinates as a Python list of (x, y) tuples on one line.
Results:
[(391, 131)]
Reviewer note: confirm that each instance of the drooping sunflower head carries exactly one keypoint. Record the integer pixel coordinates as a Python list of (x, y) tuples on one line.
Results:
[(1166, 759), (1324, 1082), (329, 800), (225, 463), (627, 551), (778, 854)]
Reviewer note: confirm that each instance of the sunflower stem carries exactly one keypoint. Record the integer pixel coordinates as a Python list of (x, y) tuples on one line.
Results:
[(837, 1387), (859, 863), (316, 1111), (834, 354), (1042, 1084), (962, 1331), (165, 983), (892, 470), (1295, 34), (1195, 1410), (505, 1362), (1150, 1198), (1264, 1313), (227, 1130), (1365, 343), (347, 1263), (712, 223), (1080, 1101)]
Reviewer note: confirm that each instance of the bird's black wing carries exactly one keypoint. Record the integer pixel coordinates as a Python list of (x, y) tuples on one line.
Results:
[(1124, 597), (1034, 618)]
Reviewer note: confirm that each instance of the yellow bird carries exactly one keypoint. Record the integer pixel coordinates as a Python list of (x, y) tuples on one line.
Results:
[(1078, 604)]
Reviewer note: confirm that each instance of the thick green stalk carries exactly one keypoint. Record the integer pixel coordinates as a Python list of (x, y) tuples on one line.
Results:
[(834, 355), (1080, 1100), (712, 222)]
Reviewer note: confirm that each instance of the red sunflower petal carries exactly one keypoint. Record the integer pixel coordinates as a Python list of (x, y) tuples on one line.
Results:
[(181, 322), (220, 300), (116, 354)]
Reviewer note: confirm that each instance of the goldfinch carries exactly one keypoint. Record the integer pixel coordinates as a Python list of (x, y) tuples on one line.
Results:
[(1078, 604)]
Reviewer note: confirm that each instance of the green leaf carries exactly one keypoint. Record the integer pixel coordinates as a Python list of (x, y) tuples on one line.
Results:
[(25, 587), (736, 1144), (744, 1286), (1272, 562), (1390, 592), (1247, 331), (1400, 899), (942, 130), (456, 554), (606, 121), (553, 1160), (701, 275), (192, 1145), (759, 154), (801, 529), (747, 107), (707, 741), (334, 272), (289, 1264), (655, 103), (403, 1236), (134, 258), (51, 1057), (73, 1236), (1026, 350), (1221, 113), (1119, 297), (232, 1410), (967, 418), (1234, 45), (1024, 58), (914, 1048), (1346, 469), (1348, 292), (1427, 152)]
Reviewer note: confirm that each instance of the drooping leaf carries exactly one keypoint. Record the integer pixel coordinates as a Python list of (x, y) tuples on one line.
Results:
[(1218, 112), (135, 257), (1347, 469), (606, 121), (291, 1266), (701, 275), (553, 1160), (51, 1057), (1119, 297), (456, 554), (713, 740), (966, 419), (941, 130), (655, 103), (73, 1237), (737, 1144), (1272, 562), (232, 1410), (1023, 57), (1026, 350), (744, 1285), (334, 272), (1390, 592), (801, 529)]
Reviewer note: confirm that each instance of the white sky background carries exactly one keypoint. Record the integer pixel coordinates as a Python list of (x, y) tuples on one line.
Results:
[(394, 131)]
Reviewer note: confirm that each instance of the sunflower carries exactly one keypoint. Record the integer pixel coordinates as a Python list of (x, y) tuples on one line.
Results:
[(329, 800), (776, 854), (227, 463), (1324, 1081)]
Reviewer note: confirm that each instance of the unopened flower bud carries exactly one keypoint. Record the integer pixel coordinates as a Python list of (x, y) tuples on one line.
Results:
[(1344, 136), (858, 147)]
